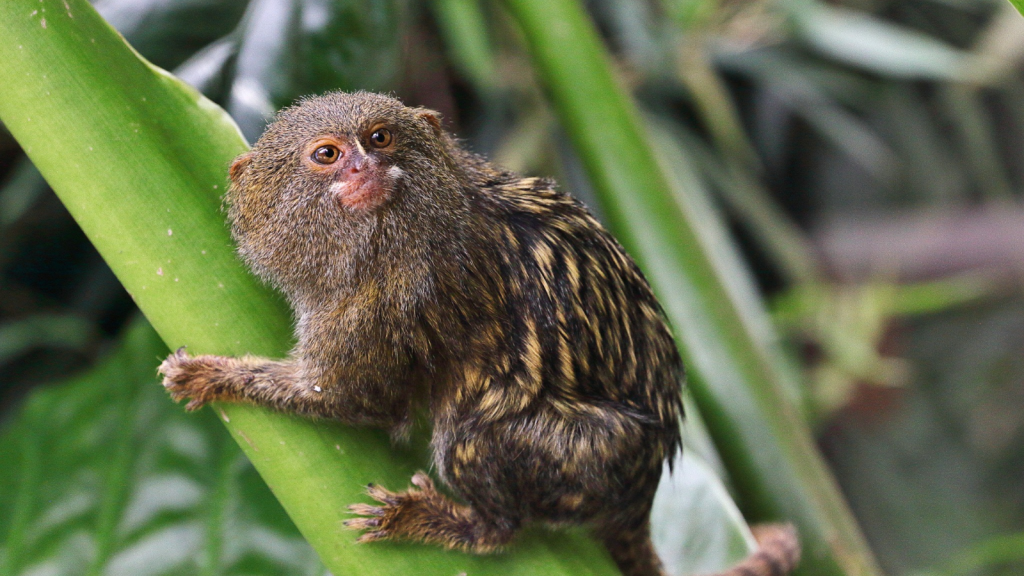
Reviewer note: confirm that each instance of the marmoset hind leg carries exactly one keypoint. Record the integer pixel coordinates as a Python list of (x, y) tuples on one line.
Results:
[(427, 516), (423, 514), (521, 468)]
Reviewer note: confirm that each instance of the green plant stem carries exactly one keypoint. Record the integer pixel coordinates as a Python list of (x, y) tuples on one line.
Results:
[(465, 32), (767, 447), (1019, 5)]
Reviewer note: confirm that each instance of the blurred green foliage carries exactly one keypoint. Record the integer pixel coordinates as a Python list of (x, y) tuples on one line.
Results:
[(792, 114), (104, 476)]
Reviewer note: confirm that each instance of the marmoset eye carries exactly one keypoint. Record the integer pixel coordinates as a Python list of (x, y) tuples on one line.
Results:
[(326, 154), (381, 138)]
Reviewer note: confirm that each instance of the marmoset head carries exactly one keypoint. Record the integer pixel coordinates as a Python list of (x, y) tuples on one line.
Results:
[(333, 178), (352, 146)]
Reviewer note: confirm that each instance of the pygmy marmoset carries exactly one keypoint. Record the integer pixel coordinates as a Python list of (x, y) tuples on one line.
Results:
[(418, 270)]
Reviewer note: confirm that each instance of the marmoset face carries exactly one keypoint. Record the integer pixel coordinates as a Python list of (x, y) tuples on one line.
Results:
[(325, 177)]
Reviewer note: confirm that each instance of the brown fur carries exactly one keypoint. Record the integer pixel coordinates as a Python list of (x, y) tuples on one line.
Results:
[(552, 377)]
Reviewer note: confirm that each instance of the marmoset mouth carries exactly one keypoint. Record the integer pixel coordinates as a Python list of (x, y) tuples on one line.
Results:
[(364, 190)]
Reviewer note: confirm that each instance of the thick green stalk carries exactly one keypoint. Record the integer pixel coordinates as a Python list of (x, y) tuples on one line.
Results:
[(140, 160), (768, 449)]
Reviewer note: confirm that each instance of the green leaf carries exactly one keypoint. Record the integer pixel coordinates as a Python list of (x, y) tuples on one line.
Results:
[(464, 28), (64, 331), (707, 540), (696, 527), (101, 475), (1019, 5), (1002, 549), (874, 44), (736, 376)]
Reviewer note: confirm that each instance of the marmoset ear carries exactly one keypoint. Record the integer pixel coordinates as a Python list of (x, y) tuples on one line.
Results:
[(432, 117), (239, 166)]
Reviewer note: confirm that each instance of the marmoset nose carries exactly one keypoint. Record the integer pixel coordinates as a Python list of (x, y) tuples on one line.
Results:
[(353, 162)]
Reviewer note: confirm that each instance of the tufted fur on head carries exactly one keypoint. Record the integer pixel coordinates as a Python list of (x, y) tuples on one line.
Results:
[(293, 230)]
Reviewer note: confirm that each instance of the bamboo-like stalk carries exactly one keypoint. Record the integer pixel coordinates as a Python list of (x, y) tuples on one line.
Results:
[(768, 449)]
